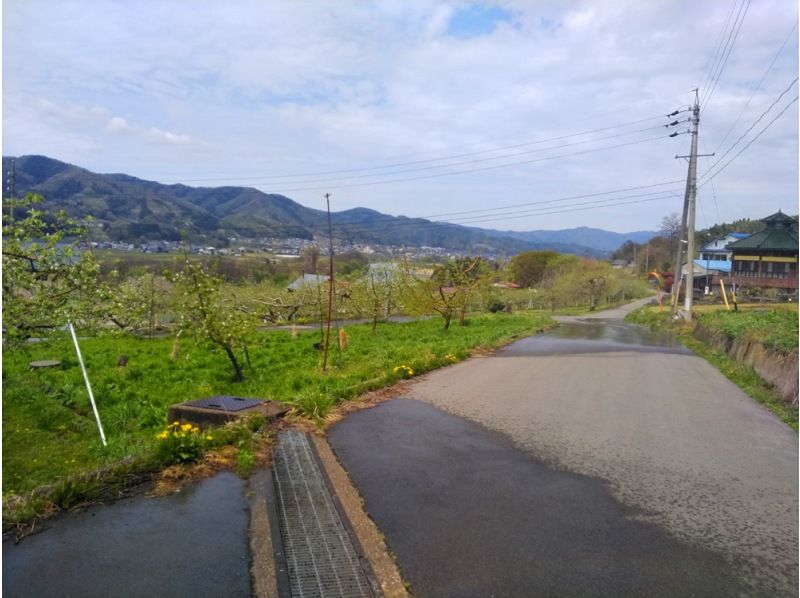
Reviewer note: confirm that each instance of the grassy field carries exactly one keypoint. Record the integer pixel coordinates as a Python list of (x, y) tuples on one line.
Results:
[(776, 327), (49, 433)]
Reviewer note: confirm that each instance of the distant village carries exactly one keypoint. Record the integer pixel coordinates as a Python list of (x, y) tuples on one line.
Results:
[(291, 247)]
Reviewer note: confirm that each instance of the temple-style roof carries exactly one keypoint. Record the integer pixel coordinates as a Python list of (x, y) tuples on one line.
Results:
[(779, 235)]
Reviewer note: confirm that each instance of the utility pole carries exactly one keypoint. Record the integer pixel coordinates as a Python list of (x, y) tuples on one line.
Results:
[(330, 284), (687, 223)]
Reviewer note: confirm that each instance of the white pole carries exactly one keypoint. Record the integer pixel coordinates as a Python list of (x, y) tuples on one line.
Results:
[(88, 386)]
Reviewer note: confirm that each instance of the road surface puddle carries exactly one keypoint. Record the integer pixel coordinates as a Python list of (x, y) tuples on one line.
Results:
[(595, 336)]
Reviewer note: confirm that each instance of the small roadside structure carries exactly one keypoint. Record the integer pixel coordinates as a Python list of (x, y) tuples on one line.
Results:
[(708, 273), (767, 259), (221, 409)]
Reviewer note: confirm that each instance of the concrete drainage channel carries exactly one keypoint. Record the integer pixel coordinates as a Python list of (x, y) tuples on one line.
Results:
[(319, 553)]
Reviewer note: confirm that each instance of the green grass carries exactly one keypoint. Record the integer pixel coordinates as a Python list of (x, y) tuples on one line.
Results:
[(49, 432), (741, 374), (772, 328)]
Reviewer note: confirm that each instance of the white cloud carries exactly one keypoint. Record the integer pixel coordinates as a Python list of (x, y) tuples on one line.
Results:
[(264, 88), (117, 124)]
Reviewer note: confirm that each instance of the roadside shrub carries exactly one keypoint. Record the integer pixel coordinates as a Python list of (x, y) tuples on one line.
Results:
[(313, 404), (245, 461)]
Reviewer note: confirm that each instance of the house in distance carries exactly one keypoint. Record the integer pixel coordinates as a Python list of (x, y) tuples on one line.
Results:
[(767, 259)]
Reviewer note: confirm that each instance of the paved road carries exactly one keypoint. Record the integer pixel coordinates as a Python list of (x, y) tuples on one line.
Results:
[(617, 463), (189, 544)]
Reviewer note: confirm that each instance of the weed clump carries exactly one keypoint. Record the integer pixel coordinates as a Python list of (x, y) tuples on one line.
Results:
[(180, 443)]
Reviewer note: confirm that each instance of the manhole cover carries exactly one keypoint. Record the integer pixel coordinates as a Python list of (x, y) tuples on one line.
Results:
[(224, 403)]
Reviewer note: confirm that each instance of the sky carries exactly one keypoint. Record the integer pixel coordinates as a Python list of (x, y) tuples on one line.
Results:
[(512, 115)]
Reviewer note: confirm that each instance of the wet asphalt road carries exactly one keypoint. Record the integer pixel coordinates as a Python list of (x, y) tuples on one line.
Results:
[(467, 514), (596, 460), (193, 543)]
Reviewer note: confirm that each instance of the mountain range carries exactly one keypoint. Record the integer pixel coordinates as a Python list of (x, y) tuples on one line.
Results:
[(127, 208)]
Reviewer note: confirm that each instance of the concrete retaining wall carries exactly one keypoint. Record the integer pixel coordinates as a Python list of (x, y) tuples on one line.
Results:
[(777, 369)]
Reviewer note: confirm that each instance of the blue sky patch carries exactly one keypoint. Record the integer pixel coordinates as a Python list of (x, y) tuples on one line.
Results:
[(476, 20)]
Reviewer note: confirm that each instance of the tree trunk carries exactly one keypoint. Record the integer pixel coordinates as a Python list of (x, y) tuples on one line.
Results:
[(247, 357), (447, 317), (235, 363)]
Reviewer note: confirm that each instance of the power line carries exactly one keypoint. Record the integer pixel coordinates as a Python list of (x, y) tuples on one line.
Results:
[(760, 82), (750, 128), (503, 215), (584, 196), (749, 143), (712, 63), (423, 161), (607, 203), (471, 170), (490, 217), (475, 160), (725, 56), (353, 226)]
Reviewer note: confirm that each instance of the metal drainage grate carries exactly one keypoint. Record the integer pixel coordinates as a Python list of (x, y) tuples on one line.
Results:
[(319, 555), (224, 403)]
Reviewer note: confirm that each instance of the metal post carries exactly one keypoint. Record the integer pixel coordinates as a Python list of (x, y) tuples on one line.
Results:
[(330, 284), (88, 386)]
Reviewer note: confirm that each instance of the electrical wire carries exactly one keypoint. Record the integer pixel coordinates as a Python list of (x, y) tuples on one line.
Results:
[(711, 66), (749, 143), (760, 82), (496, 214), (607, 203), (568, 198), (353, 226), (724, 62), (476, 160), (470, 170), (750, 128), (414, 162)]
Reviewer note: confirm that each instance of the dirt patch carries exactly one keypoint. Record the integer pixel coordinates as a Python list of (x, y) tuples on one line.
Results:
[(176, 477)]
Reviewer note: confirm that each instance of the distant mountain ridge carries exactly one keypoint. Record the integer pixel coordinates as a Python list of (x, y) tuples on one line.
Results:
[(132, 209), (595, 238)]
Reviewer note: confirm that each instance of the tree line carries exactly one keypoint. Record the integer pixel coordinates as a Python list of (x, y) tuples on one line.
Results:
[(47, 282)]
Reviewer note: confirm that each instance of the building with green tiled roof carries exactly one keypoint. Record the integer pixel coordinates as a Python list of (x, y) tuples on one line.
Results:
[(767, 259)]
